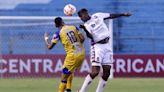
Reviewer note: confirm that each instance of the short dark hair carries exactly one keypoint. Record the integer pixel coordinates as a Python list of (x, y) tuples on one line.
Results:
[(58, 21), (82, 11)]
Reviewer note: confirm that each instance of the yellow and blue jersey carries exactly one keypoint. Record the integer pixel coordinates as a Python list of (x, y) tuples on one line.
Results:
[(68, 35)]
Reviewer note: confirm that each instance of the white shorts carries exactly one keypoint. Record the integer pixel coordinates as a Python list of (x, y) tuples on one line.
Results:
[(101, 54)]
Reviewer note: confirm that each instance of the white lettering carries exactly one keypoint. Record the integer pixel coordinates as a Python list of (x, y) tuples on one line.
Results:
[(134, 65), (58, 67), (47, 65), (3, 70), (159, 65), (13, 66), (36, 64), (129, 65), (149, 66), (120, 63), (25, 66)]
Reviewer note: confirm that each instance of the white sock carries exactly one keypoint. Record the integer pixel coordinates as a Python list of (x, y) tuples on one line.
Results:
[(86, 83), (101, 85)]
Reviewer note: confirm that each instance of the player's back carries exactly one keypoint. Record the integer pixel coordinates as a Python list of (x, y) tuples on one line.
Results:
[(71, 41)]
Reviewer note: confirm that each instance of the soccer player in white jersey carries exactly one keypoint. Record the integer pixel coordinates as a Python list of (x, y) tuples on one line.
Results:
[(101, 49)]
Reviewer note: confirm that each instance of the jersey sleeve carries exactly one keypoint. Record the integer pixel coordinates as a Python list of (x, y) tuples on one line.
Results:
[(55, 37), (103, 15)]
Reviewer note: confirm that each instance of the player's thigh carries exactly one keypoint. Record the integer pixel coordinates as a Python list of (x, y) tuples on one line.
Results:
[(106, 72), (106, 69), (69, 63), (72, 63)]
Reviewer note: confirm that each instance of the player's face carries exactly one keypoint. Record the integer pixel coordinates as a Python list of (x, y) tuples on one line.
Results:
[(84, 17)]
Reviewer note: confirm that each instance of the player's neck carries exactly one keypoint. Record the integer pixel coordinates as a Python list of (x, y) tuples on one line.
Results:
[(61, 27), (88, 18)]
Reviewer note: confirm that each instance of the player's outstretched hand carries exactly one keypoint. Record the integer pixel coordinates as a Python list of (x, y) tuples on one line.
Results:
[(128, 14), (46, 36), (81, 26)]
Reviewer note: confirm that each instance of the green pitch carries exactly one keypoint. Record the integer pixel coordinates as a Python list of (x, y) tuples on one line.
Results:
[(51, 85)]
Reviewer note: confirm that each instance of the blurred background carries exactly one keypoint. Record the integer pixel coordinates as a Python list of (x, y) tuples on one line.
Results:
[(141, 33), (138, 41)]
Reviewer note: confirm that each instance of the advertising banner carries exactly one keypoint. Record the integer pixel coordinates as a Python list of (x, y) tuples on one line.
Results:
[(51, 66)]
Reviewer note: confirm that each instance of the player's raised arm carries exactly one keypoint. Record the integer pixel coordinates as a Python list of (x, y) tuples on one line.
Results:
[(116, 15), (49, 45)]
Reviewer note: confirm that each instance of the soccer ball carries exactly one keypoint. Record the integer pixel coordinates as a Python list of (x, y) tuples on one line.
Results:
[(69, 10)]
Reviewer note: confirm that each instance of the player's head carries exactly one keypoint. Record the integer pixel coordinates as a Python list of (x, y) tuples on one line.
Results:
[(58, 22), (83, 14)]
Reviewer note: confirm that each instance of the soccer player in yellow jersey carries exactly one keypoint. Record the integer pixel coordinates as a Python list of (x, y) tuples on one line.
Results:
[(72, 40)]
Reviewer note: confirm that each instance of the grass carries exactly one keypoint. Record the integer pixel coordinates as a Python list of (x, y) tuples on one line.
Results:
[(51, 85)]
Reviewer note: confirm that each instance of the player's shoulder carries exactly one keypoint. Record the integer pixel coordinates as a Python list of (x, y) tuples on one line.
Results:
[(100, 15), (71, 26), (66, 27), (56, 34), (97, 14)]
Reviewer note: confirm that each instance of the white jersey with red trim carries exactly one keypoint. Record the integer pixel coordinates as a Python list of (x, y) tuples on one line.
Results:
[(97, 27)]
